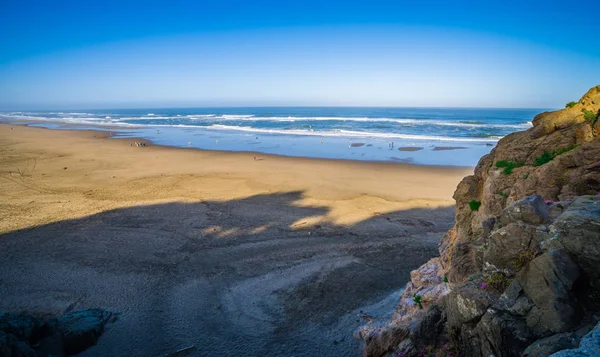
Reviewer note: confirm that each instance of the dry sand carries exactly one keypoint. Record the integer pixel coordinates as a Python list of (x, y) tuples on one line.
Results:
[(272, 257)]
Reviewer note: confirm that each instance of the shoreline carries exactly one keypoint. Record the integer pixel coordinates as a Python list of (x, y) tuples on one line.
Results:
[(134, 138), (337, 148)]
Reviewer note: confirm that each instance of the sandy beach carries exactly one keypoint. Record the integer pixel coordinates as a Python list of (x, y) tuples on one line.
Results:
[(215, 250)]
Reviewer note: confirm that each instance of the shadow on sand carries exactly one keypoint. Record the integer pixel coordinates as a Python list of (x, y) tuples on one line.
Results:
[(247, 277)]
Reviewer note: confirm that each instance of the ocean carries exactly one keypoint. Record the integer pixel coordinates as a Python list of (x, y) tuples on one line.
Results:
[(427, 136)]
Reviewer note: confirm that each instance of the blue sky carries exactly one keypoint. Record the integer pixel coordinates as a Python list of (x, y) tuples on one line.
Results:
[(119, 54)]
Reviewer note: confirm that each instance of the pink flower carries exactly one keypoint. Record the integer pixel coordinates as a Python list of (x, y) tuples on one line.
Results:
[(548, 202), (484, 286)]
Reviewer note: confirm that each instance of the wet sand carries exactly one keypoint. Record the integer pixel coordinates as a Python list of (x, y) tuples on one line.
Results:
[(272, 257), (410, 148)]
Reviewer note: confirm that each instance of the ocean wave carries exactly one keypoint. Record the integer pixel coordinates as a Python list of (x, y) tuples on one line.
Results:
[(345, 133), (458, 123), (467, 124)]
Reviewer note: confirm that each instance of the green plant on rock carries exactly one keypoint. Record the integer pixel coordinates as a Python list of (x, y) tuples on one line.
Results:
[(570, 104), (508, 166), (445, 278), (589, 114), (503, 194), (525, 257), (497, 282), (417, 299), (547, 156), (474, 205)]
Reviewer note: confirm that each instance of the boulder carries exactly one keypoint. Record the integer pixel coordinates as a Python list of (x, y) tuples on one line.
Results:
[(499, 334), (588, 347), (548, 281), (506, 244), (430, 330), (578, 231), (10, 346), (531, 210), (557, 342), (81, 329), (23, 327), (466, 304), (380, 343)]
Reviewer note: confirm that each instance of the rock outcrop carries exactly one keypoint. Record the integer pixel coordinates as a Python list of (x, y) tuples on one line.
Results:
[(26, 335), (519, 273)]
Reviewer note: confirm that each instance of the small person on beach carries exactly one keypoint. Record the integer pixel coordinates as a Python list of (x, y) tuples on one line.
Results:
[(254, 157)]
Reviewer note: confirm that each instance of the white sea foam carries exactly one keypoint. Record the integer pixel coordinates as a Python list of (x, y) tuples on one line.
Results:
[(345, 133)]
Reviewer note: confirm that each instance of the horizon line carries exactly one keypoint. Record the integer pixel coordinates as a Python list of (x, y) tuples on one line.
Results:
[(273, 106)]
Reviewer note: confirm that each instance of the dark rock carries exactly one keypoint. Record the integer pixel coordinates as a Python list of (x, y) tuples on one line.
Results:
[(549, 345), (557, 208), (23, 327), (521, 307), (463, 262), (509, 296), (430, 329), (532, 210), (507, 243), (81, 329), (499, 334), (547, 281), (380, 344), (10, 346), (466, 304), (578, 231), (588, 347), (488, 225)]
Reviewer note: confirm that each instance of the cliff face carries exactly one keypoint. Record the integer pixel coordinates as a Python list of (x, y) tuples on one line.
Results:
[(520, 270)]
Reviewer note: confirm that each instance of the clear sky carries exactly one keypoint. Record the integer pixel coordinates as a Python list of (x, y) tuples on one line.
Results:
[(119, 54)]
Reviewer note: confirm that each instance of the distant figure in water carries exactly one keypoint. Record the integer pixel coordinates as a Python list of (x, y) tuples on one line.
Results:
[(189, 143), (157, 131), (217, 141), (321, 141)]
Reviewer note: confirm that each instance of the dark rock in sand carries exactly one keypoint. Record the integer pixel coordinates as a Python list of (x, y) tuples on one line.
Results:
[(410, 148), (69, 334), (10, 346), (23, 327), (81, 329)]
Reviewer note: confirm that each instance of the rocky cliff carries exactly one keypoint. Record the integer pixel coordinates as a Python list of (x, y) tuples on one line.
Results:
[(519, 273)]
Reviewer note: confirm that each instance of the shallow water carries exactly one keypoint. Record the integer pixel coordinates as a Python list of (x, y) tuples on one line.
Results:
[(447, 136)]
